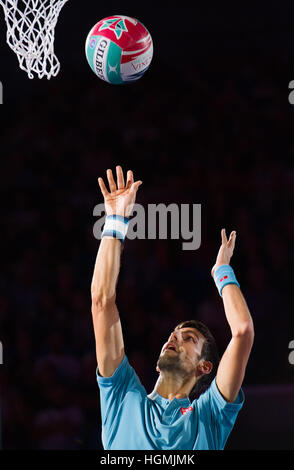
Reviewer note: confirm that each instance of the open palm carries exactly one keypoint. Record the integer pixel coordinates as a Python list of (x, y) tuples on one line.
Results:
[(121, 197)]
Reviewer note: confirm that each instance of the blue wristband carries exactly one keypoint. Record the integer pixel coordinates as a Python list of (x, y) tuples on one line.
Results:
[(224, 275), (116, 226)]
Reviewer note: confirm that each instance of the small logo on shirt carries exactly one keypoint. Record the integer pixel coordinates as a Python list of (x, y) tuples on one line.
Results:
[(185, 410)]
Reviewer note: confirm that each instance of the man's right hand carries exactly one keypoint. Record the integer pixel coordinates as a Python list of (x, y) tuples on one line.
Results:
[(121, 197)]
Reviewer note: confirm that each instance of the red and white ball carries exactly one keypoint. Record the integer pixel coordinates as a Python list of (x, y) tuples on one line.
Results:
[(119, 49)]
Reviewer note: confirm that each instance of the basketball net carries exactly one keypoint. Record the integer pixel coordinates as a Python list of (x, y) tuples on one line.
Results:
[(30, 34)]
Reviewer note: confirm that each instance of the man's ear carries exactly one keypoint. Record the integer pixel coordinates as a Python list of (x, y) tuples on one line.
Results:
[(204, 367), (157, 370)]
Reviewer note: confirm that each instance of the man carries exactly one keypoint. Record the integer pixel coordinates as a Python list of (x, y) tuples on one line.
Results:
[(166, 419)]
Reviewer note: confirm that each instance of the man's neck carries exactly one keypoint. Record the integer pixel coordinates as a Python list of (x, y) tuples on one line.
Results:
[(171, 387)]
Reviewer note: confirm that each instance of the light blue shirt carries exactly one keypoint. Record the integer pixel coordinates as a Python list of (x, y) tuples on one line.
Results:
[(133, 420)]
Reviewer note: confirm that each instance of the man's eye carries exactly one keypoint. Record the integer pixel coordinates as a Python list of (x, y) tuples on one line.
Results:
[(191, 337)]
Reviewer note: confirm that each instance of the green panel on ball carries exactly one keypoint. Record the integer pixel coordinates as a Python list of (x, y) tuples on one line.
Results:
[(113, 64)]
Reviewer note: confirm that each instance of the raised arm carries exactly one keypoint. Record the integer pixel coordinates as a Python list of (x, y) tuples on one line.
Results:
[(231, 370), (107, 326)]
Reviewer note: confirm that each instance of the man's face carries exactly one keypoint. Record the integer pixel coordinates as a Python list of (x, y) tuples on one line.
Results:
[(180, 354)]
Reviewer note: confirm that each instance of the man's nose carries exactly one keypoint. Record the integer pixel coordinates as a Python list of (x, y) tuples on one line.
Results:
[(175, 336)]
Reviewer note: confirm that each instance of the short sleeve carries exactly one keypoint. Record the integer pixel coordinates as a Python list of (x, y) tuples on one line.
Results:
[(222, 414), (113, 390)]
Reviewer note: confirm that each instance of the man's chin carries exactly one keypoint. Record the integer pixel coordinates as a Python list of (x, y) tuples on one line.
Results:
[(168, 361)]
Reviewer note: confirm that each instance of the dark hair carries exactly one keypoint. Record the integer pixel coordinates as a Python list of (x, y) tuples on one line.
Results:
[(209, 353)]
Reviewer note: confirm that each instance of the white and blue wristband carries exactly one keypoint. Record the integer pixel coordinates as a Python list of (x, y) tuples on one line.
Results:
[(116, 226), (224, 275)]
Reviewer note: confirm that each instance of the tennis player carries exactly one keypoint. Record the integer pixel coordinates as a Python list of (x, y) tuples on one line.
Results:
[(196, 398)]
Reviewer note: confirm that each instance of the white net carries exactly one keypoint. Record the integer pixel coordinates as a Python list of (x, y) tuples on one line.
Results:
[(30, 34)]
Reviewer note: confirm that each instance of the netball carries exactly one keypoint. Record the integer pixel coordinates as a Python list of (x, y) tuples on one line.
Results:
[(119, 49)]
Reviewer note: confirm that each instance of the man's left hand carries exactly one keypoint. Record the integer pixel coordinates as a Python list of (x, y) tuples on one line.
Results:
[(226, 250)]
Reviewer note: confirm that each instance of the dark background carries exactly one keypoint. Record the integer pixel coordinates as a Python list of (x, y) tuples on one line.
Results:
[(210, 123)]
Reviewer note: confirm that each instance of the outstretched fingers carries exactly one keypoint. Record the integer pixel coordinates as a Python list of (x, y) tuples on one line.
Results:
[(120, 177), (136, 185), (224, 236), (111, 181), (232, 240), (102, 187), (130, 179), (130, 184)]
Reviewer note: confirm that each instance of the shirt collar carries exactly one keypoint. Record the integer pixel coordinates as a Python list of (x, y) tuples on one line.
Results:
[(165, 401)]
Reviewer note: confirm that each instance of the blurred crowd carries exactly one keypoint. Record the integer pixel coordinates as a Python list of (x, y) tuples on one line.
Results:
[(219, 135)]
